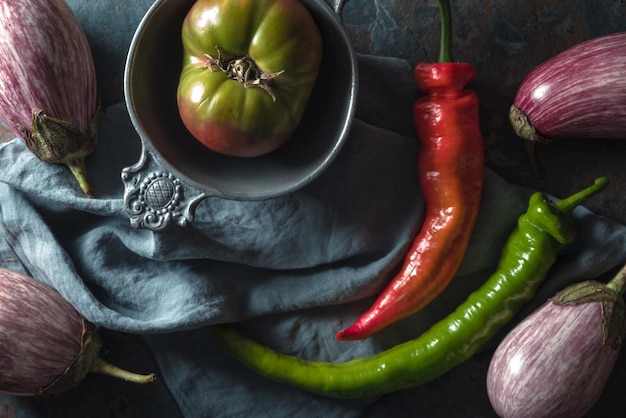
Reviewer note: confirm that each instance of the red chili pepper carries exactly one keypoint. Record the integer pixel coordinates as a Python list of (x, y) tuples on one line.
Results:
[(450, 165)]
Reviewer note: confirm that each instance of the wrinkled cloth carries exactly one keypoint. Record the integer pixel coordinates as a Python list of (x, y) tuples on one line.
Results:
[(291, 271)]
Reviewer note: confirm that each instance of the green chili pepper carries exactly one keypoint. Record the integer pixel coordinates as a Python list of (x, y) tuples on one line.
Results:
[(526, 259)]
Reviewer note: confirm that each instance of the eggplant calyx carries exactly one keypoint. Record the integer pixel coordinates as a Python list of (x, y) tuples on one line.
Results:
[(58, 141), (523, 127), (243, 70), (525, 130), (76, 372), (88, 361), (612, 303)]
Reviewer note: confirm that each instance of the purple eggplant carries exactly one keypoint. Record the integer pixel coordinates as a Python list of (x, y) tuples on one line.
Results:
[(556, 362), (48, 91), (579, 93), (46, 346)]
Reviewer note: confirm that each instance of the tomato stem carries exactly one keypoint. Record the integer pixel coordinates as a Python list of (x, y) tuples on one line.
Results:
[(445, 48), (243, 70)]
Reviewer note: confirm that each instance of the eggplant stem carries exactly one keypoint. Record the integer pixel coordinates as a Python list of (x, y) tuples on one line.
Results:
[(618, 282), (78, 169), (531, 152), (103, 367)]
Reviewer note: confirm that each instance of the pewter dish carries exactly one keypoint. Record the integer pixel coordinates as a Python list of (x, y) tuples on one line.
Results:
[(150, 80)]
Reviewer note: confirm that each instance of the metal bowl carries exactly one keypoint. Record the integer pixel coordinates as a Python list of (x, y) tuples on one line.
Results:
[(150, 81)]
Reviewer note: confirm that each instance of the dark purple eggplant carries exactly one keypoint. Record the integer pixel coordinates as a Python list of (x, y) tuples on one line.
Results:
[(48, 92), (46, 346), (556, 362), (579, 93)]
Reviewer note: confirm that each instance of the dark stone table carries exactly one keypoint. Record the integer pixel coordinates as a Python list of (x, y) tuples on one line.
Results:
[(504, 40)]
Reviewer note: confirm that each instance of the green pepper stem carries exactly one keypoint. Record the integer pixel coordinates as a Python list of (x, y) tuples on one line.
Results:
[(445, 48), (618, 282), (568, 204)]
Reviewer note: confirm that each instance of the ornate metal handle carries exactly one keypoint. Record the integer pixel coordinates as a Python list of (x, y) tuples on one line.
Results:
[(154, 197)]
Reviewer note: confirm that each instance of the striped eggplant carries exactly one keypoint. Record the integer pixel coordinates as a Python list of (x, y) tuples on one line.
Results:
[(46, 346), (48, 91), (579, 93), (556, 362)]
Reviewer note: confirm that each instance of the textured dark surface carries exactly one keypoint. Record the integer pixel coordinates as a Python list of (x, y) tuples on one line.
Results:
[(505, 40)]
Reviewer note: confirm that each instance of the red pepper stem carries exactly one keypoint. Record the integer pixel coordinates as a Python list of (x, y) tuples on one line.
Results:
[(568, 204), (618, 282), (445, 49)]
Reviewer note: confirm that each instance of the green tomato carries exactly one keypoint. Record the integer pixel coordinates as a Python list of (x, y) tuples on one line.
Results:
[(249, 67)]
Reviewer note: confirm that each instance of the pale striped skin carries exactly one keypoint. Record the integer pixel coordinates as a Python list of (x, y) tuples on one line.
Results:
[(579, 93), (553, 364), (40, 334), (46, 63)]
